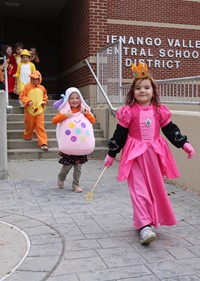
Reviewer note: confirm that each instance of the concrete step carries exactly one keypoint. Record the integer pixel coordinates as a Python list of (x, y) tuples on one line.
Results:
[(19, 149), (20, 110), (19, 125), (29, 144), (51, 133), (20, 117), (37, 153), (15, 103)]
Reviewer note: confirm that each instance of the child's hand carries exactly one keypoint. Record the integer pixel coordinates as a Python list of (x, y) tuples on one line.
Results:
[(44, 102), (30, 103), (108, 161), (69, 114), (188, 149), (83, 110)]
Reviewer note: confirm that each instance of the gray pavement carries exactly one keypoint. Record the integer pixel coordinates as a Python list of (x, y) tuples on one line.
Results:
[(56, 235)]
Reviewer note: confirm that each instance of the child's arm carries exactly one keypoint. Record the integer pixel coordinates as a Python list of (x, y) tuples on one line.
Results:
[(59, 118), (115, 144), (90, 117), (13, 65), (173, 134), (45, 96), (24, 96), (32, 66), (17, 74)]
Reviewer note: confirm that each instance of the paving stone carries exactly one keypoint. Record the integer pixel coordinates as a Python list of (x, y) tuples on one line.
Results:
[(72, 239)]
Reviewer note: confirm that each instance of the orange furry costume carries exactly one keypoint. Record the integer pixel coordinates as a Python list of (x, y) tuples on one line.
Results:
[(2, 85), (34, 113)]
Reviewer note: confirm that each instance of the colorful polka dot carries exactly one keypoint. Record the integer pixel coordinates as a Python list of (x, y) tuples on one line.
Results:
[(73, 138), (67, 132), (87, 133), (82, 138), (71, 125), (77, 131), (83, 125)]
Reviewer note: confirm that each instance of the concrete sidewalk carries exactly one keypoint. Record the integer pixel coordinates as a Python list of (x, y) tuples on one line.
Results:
[(57, 235)]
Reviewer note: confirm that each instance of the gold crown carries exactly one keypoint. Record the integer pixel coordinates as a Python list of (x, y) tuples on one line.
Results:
[(140, 71)]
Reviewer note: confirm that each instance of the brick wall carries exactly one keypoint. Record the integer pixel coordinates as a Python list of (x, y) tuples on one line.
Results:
[(173, 26), (168, 11), (177, 17), (82, 30), (85, 26)]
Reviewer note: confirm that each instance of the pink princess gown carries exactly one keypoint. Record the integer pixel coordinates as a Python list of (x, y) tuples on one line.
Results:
[(145, 159)]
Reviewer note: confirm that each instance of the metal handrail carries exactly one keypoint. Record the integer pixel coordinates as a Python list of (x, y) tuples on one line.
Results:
[(175, 90), (114, 109), (183, 90), (178, 79)]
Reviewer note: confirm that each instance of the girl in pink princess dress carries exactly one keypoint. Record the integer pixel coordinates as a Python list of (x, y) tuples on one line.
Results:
[(146, 156)]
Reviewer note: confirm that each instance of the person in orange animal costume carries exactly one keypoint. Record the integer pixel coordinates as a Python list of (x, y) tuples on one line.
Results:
[(34, 98), (2, 82)]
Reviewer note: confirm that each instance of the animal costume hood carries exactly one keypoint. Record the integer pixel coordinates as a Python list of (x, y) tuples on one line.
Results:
[(61, 103)]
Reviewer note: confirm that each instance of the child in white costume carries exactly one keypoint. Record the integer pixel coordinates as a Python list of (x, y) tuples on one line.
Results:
[(24, 70), (74, 134)]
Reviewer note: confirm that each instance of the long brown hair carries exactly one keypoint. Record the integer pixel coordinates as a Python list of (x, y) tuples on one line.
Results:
[(130, 100)]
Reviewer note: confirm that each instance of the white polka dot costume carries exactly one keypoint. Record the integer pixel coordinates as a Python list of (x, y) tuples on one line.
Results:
[(75, 135)]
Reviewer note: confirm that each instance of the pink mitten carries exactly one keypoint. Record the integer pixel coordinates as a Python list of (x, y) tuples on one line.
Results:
[(188, 149), (108, 161)]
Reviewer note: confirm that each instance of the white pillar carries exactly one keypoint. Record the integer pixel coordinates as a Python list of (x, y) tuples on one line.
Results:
[(3, 137)]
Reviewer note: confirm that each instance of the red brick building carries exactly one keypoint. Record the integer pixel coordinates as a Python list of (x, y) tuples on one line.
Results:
[(165, 34)]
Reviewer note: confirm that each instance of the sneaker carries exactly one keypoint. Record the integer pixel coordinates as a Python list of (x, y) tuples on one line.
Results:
[(60, 184), (44, 147), (147, 235), (78, 189)]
